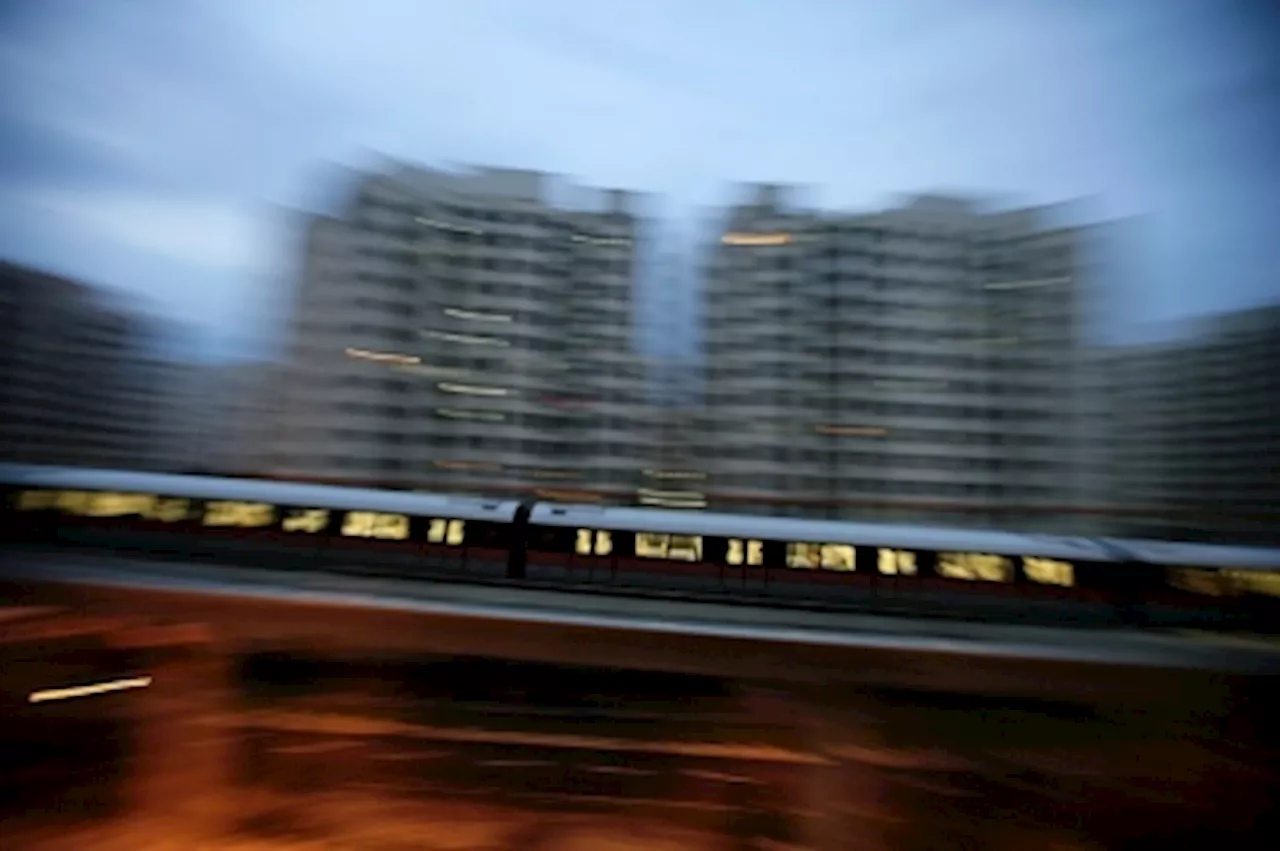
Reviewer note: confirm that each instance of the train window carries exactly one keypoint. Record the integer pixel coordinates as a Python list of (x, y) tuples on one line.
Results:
[(309, 520), (750, 552), (455, 533), (1260, 582), (674, 547), (838, 557), (375, 524), (73, 502), (1207, 582), (975, 567), (600, 543), (805, 556), (442, 531), (244, 514), (117, 504), (1048, 571), (37, 500), (169, 510), (896, 562)]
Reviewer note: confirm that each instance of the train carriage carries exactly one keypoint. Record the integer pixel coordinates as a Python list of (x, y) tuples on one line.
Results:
[(265, 523)]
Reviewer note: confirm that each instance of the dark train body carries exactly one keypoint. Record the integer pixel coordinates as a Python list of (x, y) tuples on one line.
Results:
[(882, 568)]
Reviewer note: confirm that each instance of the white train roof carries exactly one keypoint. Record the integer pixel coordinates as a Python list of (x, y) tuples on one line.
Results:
[(252, 490), (820, 531)]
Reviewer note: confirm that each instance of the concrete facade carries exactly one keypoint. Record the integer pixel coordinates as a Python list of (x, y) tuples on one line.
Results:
[(925, 353), (463, 331)]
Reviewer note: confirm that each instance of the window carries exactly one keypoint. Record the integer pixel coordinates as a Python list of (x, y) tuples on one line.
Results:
[(374, 524), (599, 544), (674, 547), (245, 514), (1049, 571), (896, 562), (310, 520), (975, 567), (451, 532), (749, 552)]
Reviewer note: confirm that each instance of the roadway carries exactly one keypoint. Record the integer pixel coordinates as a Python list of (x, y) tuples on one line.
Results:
[(361, 714)]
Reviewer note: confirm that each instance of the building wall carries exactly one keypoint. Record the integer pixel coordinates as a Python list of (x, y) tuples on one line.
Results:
[(461, 330), (926, 353)]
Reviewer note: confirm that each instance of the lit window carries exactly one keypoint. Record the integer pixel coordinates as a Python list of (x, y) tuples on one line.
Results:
[(975, 566), (374, 524), (243, 514), (838, 557), (475, 315), (600, 543), (451, 532), (1049, 571), (751, 551), (37, 500), (116, 504), (804, 555), (170, 510), (468, 339), (472, 389), (383, 357), (756, 238), (896, 562), (310, 520), (674, 547)]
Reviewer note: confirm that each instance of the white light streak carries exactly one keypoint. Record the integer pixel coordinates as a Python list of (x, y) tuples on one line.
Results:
[(89, 690)]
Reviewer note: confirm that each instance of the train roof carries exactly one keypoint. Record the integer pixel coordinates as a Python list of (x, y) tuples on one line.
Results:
[(253, 490), (1181, 554), (822, 531)]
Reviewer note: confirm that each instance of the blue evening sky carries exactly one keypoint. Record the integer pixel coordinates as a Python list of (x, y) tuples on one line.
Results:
[(154, 146)]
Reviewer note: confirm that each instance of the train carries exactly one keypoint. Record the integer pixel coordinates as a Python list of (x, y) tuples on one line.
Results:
[(698, 555)]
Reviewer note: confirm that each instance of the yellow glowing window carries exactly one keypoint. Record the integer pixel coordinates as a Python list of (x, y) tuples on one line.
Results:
[(73, 502), (118, 504), (1049, 571), (803, 555), (375, 524), (243, 514), (310, 520), (441, 531), (600, 544), (1261, 582), (975, 567), (896, 562), (37, 500), (169, 510), (674, 547), (838, 557), (751, 552)]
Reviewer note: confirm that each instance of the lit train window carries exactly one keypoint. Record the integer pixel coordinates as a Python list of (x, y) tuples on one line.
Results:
[(309, 520), (37, 500), (804, 556), (751, 552), (838, 557), (441, 531), (896, 562), (169, 510), (244, 514), (1197, 581), (1049, 571), (1261, 582), (600, 544), (73, 502), (674, 547), (975, 567), (375, 524), (118, 504)]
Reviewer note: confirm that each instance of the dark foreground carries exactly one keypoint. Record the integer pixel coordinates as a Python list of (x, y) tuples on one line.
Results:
[(270, 748)]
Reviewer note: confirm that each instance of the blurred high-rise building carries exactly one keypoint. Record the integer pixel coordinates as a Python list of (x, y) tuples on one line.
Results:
[(464, 330), (1193, 434), (72, 385), (918, 363)]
